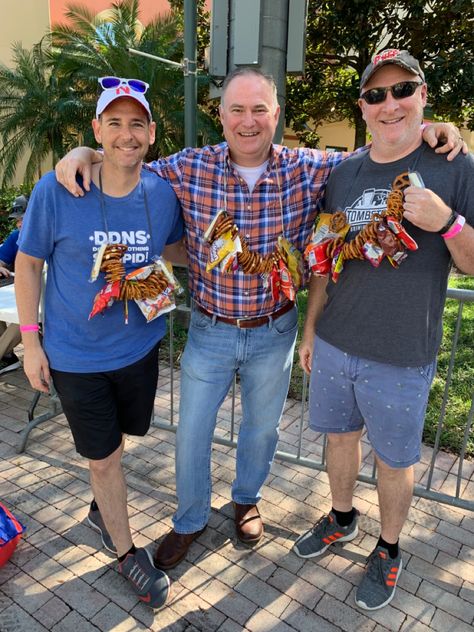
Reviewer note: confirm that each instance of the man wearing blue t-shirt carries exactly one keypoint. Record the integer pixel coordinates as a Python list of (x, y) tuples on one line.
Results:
[(104, 368)]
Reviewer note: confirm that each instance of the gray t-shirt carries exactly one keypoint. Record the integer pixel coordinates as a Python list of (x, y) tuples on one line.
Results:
[(386, 314)]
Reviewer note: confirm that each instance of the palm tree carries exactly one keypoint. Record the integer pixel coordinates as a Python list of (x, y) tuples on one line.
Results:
[(39, 113), (47, 100), (97, 45)]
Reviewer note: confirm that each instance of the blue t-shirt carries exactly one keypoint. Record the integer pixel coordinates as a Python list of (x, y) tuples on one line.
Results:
[(67, 232), (9, 248)]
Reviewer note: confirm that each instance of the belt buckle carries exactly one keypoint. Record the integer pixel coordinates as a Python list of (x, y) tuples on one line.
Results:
[(238, 321)]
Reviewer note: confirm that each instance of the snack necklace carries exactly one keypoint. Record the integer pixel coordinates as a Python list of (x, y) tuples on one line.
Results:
[(250, 262), (139, 285), (118, 247), (382, 236), (281, 270)]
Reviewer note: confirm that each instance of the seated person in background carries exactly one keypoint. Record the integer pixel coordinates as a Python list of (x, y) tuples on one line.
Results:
[(10, 334)]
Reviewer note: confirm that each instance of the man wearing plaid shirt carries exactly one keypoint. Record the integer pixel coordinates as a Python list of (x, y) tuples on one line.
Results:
[(236, 324)]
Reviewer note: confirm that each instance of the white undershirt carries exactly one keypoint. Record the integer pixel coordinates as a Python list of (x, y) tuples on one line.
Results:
[(250, 174)]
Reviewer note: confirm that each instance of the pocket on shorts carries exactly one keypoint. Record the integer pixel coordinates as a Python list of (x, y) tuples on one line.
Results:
[(427, 372)]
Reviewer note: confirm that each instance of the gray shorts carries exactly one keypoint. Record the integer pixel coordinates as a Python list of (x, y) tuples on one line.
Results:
[(347, 392)]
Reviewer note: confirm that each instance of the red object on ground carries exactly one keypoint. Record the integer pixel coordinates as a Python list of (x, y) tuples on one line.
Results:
[(10, 534)]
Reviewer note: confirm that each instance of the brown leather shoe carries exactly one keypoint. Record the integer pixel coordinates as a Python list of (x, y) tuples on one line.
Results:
[(173, 548), (248, 524)]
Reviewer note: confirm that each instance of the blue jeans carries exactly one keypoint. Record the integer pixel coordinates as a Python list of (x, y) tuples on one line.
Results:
[(214, 353)]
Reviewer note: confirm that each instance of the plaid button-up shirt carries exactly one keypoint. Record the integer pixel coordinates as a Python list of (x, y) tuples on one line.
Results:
[(198, 176)]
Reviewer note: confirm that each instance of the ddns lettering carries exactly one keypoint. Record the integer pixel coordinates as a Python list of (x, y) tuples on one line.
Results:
[(131, 238)]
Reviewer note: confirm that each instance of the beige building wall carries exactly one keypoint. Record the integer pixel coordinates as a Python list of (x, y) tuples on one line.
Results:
[(333, 136), (469, 138), (24, 21)]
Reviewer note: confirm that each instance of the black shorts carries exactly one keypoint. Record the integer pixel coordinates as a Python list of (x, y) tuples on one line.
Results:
[(101, 407)]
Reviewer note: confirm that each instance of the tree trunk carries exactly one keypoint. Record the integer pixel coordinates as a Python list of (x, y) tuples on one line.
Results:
[(360, 138)]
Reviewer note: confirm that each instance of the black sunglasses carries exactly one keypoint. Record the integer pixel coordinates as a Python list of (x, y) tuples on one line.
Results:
[(400, 90)]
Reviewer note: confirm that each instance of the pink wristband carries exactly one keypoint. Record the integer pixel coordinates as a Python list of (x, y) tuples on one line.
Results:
[(29, 328), (455, 228)]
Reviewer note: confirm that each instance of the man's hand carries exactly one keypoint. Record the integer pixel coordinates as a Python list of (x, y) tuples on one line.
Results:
[(305, 352), (77, 161), (425, 209), (449, 135), (36, 367), (4, 272)]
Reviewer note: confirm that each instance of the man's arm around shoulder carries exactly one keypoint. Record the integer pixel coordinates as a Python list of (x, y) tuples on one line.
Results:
[(77, 161)]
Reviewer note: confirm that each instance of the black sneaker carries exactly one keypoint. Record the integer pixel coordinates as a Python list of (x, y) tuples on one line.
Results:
[(151, 585), (9, 363), (96, 522)]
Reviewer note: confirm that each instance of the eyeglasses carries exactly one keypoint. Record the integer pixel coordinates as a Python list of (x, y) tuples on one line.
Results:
[(400, 90), (114, 82)]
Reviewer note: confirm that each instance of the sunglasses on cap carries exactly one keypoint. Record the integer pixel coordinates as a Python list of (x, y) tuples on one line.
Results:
[(114, 82), (400, 90)]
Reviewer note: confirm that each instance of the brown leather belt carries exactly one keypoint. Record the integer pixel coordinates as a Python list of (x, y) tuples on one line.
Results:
[(245, 323)]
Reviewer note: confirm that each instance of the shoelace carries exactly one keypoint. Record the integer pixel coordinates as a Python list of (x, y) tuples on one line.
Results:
[(138, 576), (374, 567), (322, 525)]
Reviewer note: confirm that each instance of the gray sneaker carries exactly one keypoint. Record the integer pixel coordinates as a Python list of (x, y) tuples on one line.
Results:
[(378, 585), (151, 585), (324, 533), (95, 520)]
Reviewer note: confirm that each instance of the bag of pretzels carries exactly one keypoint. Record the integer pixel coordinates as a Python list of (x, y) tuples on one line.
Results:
[(222, 235), (164, 302), (330, 229)]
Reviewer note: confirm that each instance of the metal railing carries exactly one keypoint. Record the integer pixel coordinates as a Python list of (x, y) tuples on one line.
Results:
[(312, 454)]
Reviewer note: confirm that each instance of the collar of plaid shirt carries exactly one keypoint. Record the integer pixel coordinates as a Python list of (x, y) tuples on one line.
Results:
[(197, 177)]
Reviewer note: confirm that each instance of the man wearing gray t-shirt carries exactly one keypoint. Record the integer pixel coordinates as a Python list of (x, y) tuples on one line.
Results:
[(373, 328)]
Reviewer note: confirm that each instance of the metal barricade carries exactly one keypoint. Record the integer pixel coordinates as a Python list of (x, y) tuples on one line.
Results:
[(312, 454)]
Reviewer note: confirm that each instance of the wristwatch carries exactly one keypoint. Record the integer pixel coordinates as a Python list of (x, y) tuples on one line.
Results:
[(455, 227), (452, 218)]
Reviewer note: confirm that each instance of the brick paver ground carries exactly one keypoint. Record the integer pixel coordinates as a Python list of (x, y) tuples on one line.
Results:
[(61, 580)]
